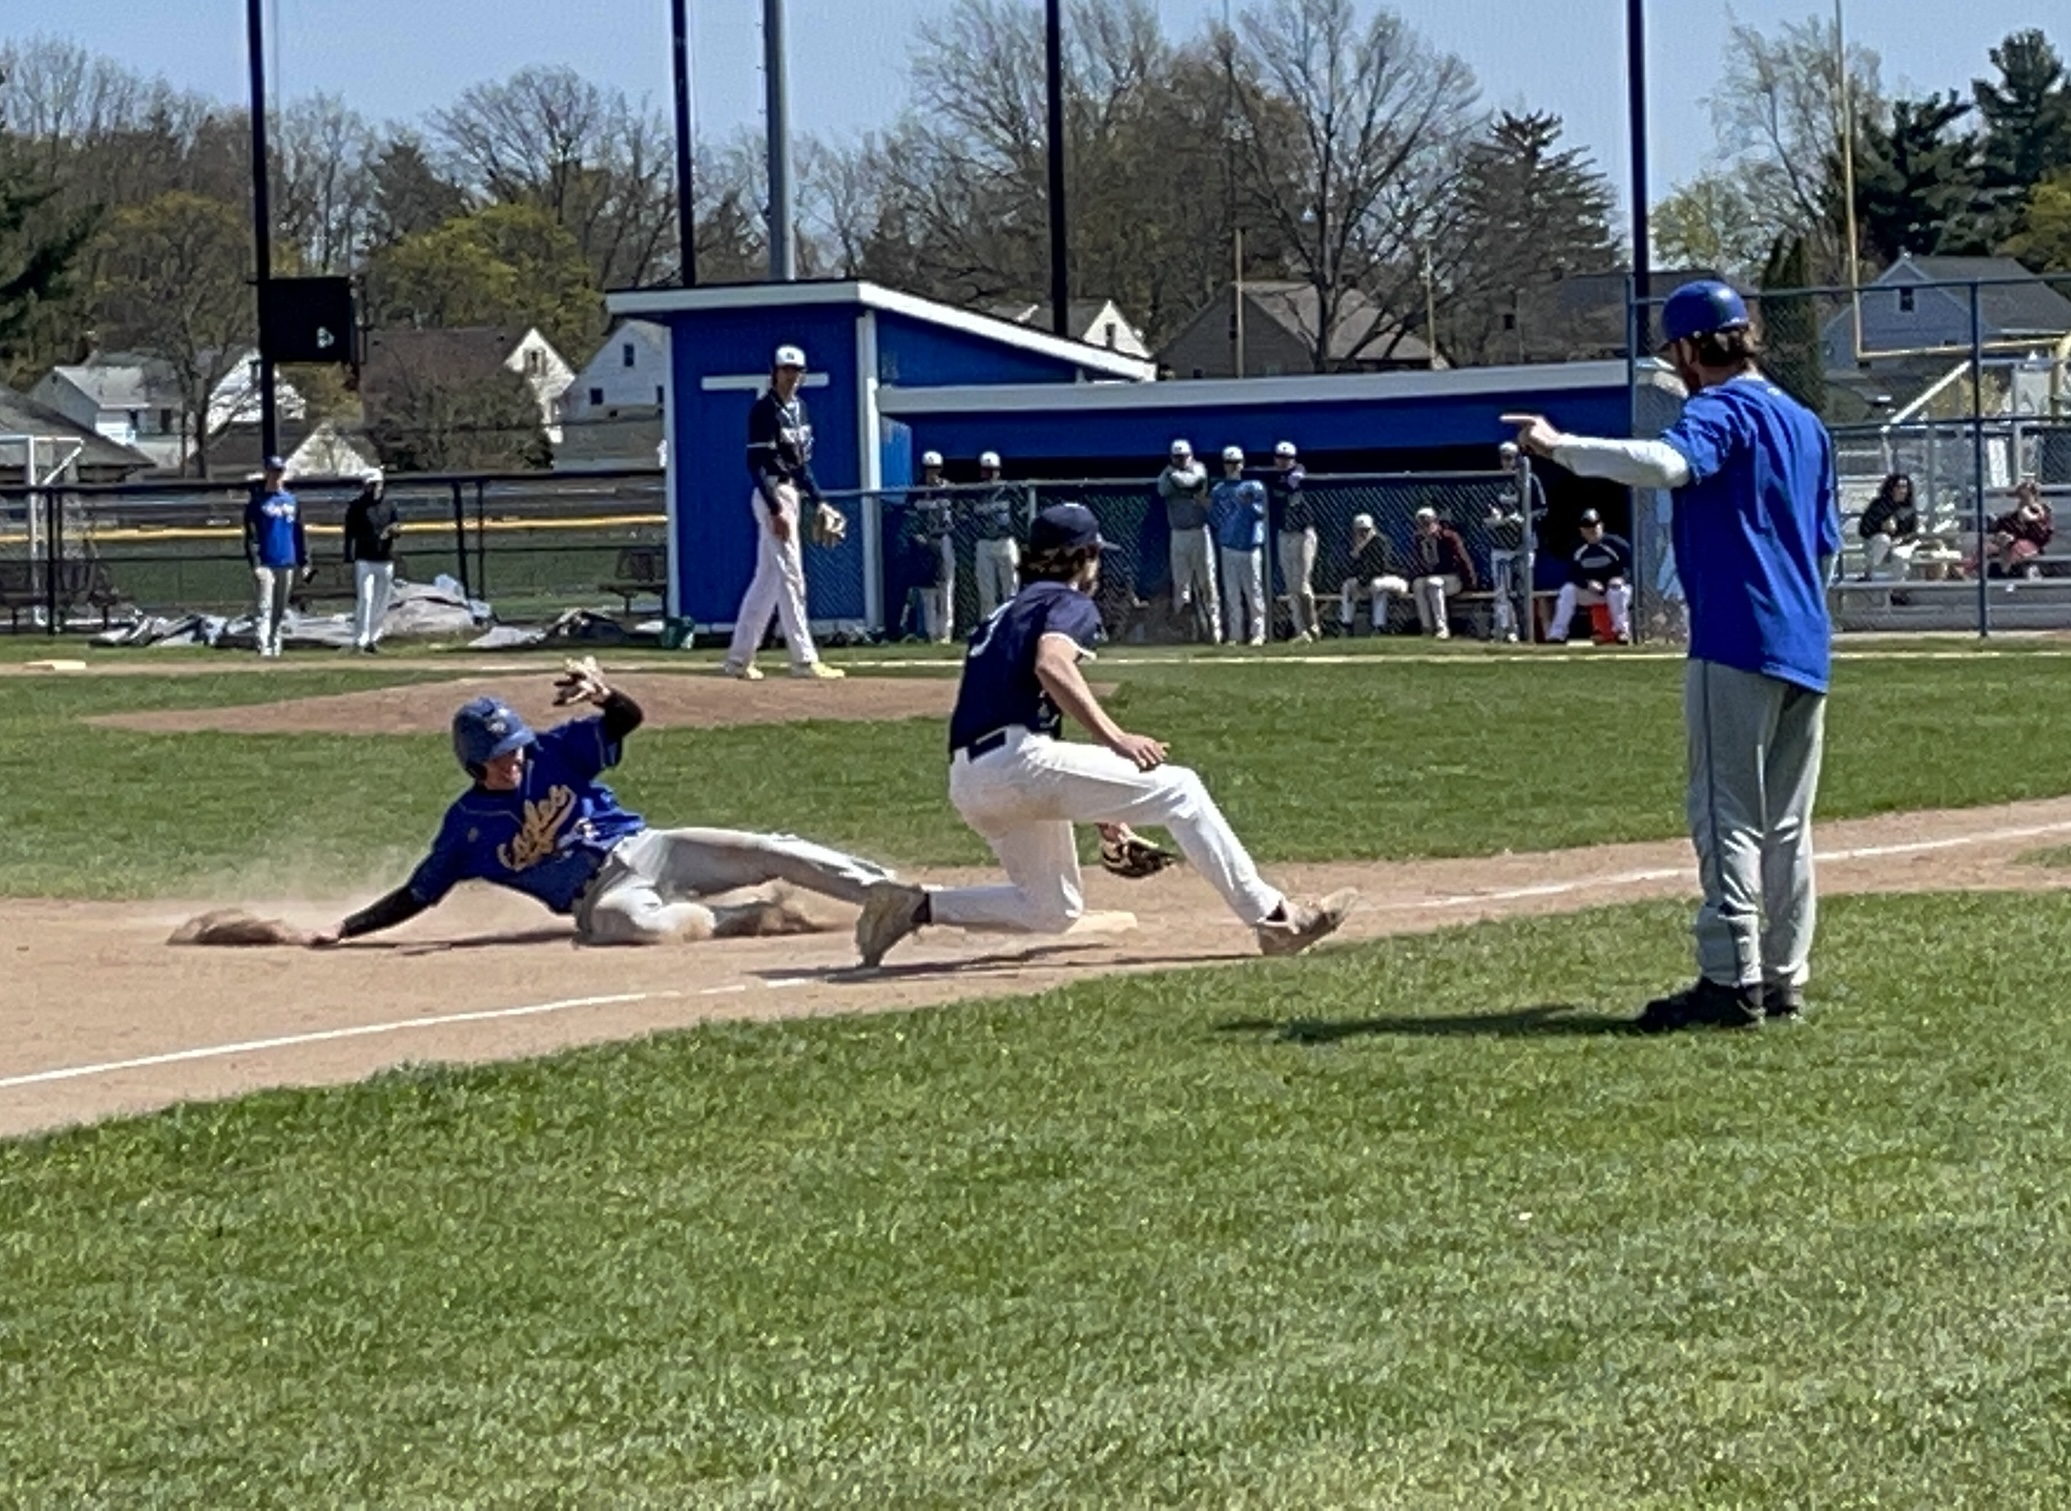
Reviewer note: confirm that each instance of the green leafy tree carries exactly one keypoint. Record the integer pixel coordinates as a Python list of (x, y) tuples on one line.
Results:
[(1790, 324), (2026, 115), (2044, 240), (501, 265), (1710, 222)]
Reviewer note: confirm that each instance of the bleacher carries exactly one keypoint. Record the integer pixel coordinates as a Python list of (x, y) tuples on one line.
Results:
[(1933, 596)]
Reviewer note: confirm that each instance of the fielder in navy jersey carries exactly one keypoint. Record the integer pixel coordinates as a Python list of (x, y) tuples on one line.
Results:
[(1022, 787), (540, 821), (1756, 531)]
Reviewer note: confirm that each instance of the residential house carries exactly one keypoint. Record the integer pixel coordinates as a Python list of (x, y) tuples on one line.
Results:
[(1906, 319), (137, 401), (1097, 322), (32, 434), (1279, 335), (475, 349), (611, 415), (1579, 317)]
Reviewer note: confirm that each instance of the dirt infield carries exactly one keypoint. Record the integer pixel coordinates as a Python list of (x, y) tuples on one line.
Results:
[(670, 702), (105, 1017)]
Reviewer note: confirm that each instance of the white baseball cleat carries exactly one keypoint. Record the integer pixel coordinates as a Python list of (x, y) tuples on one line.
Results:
[(1306, 923), (818, 671), (891, 912), (742, 673)]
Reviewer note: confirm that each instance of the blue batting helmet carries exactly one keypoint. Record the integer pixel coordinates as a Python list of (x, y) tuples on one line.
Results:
[(486, 728), (1700, 309)]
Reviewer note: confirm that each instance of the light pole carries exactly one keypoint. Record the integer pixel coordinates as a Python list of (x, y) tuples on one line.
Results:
[(262, 233), (1053, 89), (1636, 126), (783, 264), (686, 224)]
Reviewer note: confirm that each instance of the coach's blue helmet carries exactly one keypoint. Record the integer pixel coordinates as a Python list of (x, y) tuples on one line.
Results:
[(486, 728), (1700, 309)]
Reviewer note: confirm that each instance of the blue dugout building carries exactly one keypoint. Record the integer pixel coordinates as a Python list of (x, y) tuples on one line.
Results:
[(892, 375)]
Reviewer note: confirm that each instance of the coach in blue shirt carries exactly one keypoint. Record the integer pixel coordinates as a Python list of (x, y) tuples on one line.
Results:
[(1756, 531)]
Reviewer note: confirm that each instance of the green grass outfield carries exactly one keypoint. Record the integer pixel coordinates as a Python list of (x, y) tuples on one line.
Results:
[(1369, 758), (1457, 1240), (1407, 1223)]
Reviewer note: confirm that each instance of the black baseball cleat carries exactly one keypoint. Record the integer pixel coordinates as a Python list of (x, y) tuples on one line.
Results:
[(1706, 1004), (1784, 1003)]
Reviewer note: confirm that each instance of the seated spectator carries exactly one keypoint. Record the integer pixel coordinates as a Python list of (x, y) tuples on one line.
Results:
[(2020, 535), (1373, 576), (1600, 572), (1440, 567), (1890, 531)]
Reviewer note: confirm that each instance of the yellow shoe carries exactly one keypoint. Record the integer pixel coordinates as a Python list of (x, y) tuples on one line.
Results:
[(742, 673), (818, 671)]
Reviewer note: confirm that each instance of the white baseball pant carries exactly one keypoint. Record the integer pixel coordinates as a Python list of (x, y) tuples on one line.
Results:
[(1430, 594), (1888, 559), (1503, 577), (1617, 595), (1023, 799), (1297, 549), (1192, 558), (778, 587), (999, 574), (1243, 596), (653, 887), (1379, 589), (273, 585), (372, 584), (938, 603)]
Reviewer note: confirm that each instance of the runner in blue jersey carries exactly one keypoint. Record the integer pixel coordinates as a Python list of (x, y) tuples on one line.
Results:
[(540, 820), (1022, 786), (1756, 532)]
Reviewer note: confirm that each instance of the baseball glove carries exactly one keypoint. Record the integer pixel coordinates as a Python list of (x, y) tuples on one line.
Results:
[(830, 528), (581, 682), (1126, 853)]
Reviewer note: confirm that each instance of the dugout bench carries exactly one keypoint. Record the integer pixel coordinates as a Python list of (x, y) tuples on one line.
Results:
[(640, 572), (23, 586)]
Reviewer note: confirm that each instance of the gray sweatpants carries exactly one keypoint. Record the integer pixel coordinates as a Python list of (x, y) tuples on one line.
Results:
[(1754, 771), (654, 885)]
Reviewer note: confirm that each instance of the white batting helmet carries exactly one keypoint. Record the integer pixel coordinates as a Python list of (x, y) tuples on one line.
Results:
[(1182, 448), (788, 356), (1427, 513), (1285, 448), (931, 459), (1233, 453), (988, 460), (1362, 522)]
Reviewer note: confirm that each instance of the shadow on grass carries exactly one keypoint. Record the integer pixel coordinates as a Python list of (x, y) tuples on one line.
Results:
[(1547, 1021), (1002, 963)]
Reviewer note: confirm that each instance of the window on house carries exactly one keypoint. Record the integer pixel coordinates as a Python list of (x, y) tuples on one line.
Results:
[(1110, 335), (1509, 320), (534, 364), (597, 396), (165, 422), (658, 394), (1200, 373), (1905, 301), (625, 354), (136, 420)]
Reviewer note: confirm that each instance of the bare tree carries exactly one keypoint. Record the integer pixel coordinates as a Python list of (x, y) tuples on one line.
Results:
[(323, 181), (1349, 138)]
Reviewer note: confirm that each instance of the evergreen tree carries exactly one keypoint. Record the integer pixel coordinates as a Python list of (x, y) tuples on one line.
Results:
[(1919, 182), (2026, 115)]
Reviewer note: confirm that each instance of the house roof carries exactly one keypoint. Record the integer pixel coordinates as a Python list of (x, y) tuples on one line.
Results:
[(22, 415), (466, 348), (138, 383), (1078, 313), (1358, 335), (2011, 300), (875, 296)]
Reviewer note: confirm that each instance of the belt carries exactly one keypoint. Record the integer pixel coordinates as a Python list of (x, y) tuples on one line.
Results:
[(987, 743)]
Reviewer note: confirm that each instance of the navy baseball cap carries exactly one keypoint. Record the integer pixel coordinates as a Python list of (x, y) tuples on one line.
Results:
[(1064, 527), (275, 464), (1591, 517)]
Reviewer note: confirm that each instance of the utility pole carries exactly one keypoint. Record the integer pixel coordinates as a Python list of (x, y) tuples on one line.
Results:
[(783, 259), (686, 221), (1636, 118), (1053, 70), (262, 234)]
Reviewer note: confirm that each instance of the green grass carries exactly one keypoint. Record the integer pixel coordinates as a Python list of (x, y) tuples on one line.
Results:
[(1455, 1241), (1371, 759)]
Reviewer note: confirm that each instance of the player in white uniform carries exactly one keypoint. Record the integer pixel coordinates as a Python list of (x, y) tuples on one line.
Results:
[(1023, 788), (780, 459)]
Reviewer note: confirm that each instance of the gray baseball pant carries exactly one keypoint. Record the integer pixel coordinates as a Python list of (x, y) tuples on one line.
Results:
[(1755, 745), (656, 883)]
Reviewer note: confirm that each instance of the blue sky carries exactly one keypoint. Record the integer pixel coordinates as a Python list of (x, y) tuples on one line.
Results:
[(396, 59)]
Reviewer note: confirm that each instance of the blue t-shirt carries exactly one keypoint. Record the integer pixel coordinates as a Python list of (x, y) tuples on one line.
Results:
[(1237, 511), (999, 686), (1751, 527), (547, 837), (273, 530)]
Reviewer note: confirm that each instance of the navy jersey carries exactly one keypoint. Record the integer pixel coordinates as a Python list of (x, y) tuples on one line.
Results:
[(999, 685), (932, 514), (1291, 507), (273, 530), (1751, 529), (1600, 560), (993, 512), (547, 838), (780, 445)]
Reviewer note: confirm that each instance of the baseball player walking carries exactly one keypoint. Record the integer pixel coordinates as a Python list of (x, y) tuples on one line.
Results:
[(1183, 485), (1237, 515), (540, 821), (1600, 571), (1022, 788), (998, 552), (1294, 519), (934, 526), (371, 528), (1756, 530), (780, 460), (276, 548)]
